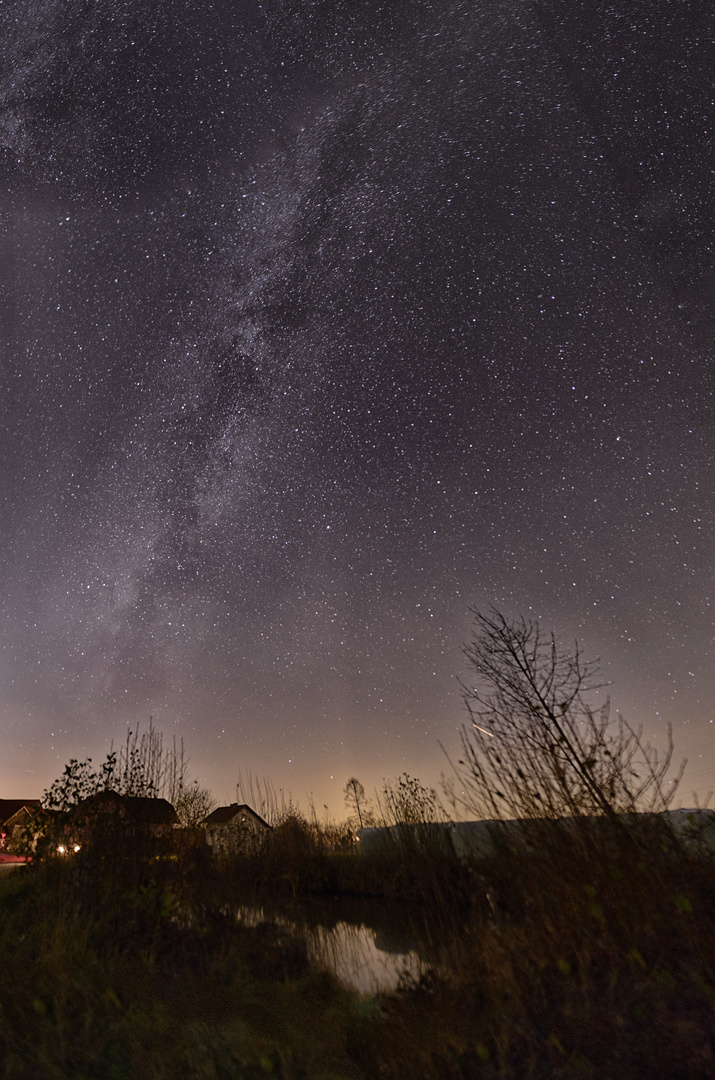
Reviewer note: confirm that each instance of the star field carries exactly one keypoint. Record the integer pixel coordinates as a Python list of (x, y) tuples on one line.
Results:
[(323, 322)]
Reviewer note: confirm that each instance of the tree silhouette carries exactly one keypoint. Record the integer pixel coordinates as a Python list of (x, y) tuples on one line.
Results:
[(355, 798), (536, 746), (193, 805)]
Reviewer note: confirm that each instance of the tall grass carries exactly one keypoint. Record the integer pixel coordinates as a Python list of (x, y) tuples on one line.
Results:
[(597, 965), (116, 969)]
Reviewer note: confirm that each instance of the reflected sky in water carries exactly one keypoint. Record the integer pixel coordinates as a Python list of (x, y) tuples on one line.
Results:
[(362, 958)]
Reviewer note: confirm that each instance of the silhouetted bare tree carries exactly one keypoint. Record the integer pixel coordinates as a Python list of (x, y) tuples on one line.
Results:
[(193, 804), (141, 767), (407, 801), (536, 746), (355, 798)]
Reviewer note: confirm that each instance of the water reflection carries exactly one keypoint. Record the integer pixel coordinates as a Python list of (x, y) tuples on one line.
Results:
[(354, 954), (369, 948)]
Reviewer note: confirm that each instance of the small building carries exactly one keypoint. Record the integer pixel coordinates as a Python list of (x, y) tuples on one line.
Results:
[(15, 815), (143, 812), (233, 828)]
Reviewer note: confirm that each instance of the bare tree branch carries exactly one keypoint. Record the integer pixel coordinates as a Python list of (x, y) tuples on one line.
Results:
[(536, 746)]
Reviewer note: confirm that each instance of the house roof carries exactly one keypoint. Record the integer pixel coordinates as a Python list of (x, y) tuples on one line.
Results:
[(10, 807), (138, 808), (223, 815)]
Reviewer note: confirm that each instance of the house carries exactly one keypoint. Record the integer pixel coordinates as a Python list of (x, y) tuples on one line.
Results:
[(14, 816), (135, 812), (234, 827)]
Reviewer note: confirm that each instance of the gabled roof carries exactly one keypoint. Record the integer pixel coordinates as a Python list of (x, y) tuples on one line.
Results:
[(10, 807), (136, 808), (224, 815)]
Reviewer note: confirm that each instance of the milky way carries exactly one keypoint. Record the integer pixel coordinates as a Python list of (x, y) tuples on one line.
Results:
[(323, 322)]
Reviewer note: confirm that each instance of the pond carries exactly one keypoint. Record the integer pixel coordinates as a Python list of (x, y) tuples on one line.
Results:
[(370, 946)]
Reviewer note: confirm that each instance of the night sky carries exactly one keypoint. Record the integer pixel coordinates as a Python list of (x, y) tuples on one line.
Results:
[(323, 320)]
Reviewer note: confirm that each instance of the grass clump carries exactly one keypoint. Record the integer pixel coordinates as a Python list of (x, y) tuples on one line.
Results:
[(170, 996), (577, 969)]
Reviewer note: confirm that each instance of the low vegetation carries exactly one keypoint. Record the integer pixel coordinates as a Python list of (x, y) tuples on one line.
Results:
[(581, 946)]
